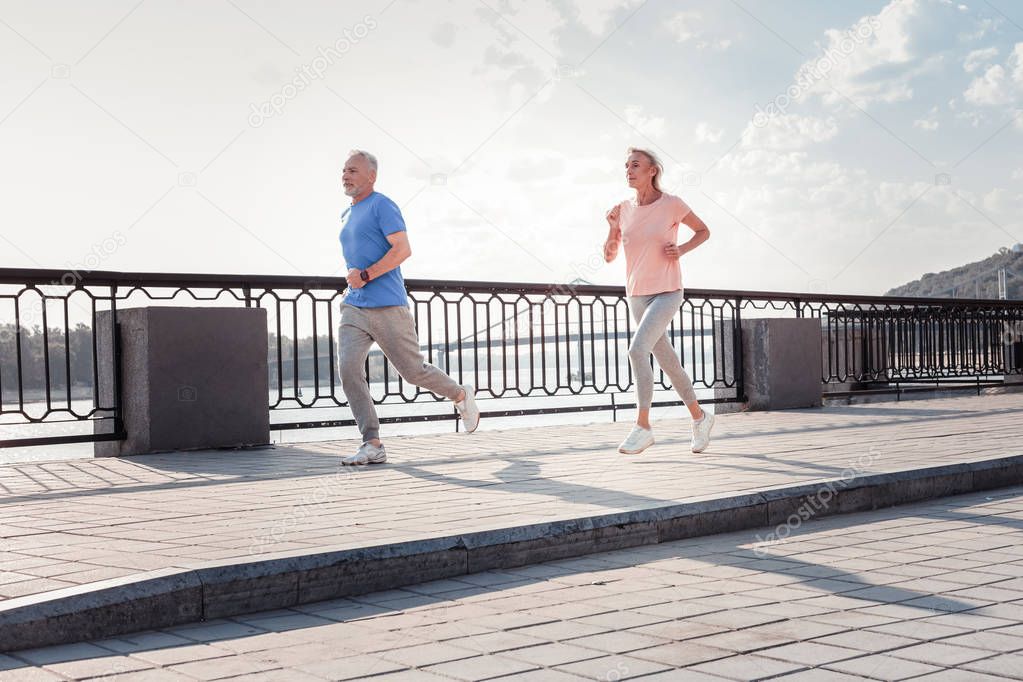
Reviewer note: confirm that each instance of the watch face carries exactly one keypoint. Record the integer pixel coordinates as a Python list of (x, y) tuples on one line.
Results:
[(364, 275)]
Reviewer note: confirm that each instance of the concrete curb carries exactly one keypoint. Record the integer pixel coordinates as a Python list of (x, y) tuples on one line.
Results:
[(168, 597)]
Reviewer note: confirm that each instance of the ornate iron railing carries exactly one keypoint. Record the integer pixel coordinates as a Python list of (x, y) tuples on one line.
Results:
[(528, 348)]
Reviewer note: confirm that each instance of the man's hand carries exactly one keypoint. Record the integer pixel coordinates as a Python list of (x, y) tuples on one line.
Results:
[(355, 279)]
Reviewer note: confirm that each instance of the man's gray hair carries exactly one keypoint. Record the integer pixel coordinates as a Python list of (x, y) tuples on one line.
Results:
[(370, 159)]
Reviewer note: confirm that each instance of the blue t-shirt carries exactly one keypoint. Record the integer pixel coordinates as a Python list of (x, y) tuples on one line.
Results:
[(364, 230)]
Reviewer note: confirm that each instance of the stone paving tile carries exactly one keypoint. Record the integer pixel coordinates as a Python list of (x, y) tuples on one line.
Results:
[(941, 653), (481, 668), (77, 521), (747, 667), (349, 667), (1008, 665), (219, 668), (493, 631), (883, 667), (553, 653)]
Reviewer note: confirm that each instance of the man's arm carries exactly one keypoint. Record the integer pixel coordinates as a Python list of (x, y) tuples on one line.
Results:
[(398, 253)]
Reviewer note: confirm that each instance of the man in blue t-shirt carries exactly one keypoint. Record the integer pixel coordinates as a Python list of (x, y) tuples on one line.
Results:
[(375, 309)]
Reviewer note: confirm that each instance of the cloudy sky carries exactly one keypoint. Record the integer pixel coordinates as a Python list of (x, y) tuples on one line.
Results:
[(844, 147)]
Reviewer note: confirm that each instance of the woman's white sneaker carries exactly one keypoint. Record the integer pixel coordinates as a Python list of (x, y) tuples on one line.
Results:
[(467, 409), (638, 440), (367, 454), (701, 432)]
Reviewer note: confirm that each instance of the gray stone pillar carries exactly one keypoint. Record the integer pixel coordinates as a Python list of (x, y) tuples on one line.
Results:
[(781, 362), (192, 378), (1014, 362)]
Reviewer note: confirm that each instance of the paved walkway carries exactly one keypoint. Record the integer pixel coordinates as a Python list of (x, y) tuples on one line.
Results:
[(931, 591), (74, 522)]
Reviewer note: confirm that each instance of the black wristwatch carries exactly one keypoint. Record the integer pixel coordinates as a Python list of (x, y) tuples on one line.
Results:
[(364, 275)]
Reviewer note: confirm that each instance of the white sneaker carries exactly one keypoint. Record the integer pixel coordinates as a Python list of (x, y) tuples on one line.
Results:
[(701, 432), (367, 454), (638, 440), (467, 409)]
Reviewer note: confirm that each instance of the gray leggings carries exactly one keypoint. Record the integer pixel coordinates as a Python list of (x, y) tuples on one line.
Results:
[(653, 312), (393, 329)]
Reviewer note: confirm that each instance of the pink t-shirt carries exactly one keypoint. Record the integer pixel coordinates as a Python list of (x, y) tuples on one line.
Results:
[(646, 230)]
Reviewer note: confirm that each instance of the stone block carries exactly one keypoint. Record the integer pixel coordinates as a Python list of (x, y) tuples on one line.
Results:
[(782, 363), (192, 378)]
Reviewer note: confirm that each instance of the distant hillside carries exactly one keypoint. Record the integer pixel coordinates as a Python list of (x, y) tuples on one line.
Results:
[(976, 280)]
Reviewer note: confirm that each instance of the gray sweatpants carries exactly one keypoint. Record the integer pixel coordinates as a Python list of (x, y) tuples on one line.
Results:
[(393, 329), (653, 312)]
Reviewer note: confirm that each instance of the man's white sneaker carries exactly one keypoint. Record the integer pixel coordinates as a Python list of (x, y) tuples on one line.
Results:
[(467, 409), (367, 454), (638, 440), (701, 432)]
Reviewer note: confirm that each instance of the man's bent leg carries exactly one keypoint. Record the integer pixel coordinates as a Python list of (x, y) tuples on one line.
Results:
[(395, 332), (353, 348)]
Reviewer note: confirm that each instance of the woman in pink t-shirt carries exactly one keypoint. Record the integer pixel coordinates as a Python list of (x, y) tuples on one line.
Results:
[(647, 227)]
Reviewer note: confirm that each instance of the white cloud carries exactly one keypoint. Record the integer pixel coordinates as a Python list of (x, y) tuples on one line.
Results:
[(595, 15), (1017, 61), (1000, 84), (689, 25), (788, 132), (706, 133), (991, 89), (978, 58), (879, 58), (682, 25), (873, 60), (926, 124), (652, 126)]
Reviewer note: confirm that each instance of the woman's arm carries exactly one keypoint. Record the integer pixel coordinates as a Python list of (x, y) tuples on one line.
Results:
[(701, 233), (614, 235)]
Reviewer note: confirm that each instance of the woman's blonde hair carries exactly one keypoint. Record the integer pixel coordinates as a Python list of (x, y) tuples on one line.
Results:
[(654, 161)]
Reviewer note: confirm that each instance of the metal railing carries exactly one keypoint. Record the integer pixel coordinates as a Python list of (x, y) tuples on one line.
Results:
[(528, 348)]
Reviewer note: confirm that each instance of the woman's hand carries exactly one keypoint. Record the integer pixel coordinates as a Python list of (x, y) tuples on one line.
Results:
[(612, 216), (611, 245), (674, 251)]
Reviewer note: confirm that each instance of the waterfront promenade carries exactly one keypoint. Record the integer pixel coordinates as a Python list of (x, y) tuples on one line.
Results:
[(930, 591), (77, 522)]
